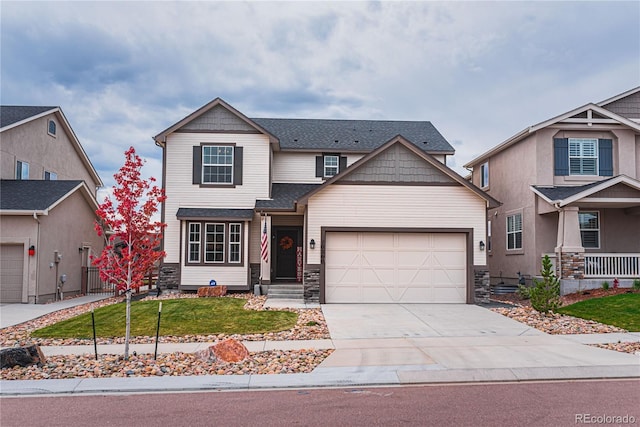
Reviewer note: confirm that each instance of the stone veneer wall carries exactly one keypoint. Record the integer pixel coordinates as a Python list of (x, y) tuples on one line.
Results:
[(169, 276), (255, 274), (482, 286), (311, 284), (572, 265)]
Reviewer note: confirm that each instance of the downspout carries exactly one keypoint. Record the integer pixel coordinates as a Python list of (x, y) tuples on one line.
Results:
[(35, 216), (559, 260)]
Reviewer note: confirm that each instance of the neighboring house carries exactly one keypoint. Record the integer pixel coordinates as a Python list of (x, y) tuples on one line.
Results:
[(339, 210), (571, 189), (47, 205)]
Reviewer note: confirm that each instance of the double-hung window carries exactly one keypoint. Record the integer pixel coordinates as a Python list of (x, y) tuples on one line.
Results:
[(583, 156), (217, 164), (514, 231), (214, 243), (589, 229), (22, 170), (331, 165), (484, 175)]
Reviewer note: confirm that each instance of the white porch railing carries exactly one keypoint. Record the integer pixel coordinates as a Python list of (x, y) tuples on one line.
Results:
[(622, 266)]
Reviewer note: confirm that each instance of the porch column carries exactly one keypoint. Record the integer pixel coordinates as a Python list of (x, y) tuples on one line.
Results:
[(569, 249), (265, 249)]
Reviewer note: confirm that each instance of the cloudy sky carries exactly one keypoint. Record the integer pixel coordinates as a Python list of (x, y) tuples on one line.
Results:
[(479, 71)]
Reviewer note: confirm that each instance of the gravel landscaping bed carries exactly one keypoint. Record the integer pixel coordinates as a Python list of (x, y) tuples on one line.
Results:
[(310, 326)]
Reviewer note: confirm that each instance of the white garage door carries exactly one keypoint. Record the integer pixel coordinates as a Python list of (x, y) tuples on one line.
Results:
[(370, 267), (11, 262)]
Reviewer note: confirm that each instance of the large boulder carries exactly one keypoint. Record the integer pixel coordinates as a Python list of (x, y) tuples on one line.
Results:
[(21, 356), (212, 291), (229, 350)]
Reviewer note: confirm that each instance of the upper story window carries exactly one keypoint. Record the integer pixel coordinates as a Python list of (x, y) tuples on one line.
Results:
[(514, 231), (217, 165), (22, 170), (589, 229), (583, 156), (331, 165), (51, 128), (484, 175), (50, 176)]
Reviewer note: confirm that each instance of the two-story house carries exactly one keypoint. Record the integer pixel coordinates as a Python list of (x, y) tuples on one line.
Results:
[(47, 205), (571, 189), (342, 210)]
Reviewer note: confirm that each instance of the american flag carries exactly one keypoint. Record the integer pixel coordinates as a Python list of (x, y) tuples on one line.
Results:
[(264, 243)]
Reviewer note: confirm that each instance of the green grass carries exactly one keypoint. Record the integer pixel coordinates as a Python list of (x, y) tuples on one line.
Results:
[(197, 316), (621, 310)]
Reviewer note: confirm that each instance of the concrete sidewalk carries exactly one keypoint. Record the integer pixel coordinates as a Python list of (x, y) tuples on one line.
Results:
[(386, 345)]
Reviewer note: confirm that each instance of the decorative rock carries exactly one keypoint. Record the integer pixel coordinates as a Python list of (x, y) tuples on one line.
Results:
[(212, 291), (21, 356), (230, 351)]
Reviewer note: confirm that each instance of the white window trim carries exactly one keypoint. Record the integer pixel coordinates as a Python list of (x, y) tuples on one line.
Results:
[(484, 170), (232, 165), (22, 168), (581, 156), (238, 243), (597, 213), (214, 243), (521, 231), (325, 166), (190, 242)]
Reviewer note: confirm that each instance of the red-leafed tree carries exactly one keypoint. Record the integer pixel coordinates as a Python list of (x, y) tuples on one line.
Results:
[(132, 237)]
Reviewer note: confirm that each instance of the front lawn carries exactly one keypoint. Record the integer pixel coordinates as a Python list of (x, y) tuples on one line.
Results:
[(621, 310), (186, 316)]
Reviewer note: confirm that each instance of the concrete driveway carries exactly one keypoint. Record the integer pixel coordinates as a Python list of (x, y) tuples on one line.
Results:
[(432, 342)]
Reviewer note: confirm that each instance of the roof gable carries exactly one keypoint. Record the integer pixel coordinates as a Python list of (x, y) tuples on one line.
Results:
[(389, 154), (626, 104), (620, 186)]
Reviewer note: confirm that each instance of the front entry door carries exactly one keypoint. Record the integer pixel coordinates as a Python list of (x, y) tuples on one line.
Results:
[(287, 241)]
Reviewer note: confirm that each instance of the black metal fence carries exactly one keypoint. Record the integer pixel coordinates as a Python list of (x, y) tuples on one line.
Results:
[(91, 283)]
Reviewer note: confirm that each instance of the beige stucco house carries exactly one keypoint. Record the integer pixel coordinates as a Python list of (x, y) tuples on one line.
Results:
[(47, 205), (327, 210), (570, 188)]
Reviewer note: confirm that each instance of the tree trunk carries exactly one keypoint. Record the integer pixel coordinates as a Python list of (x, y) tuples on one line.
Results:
[(128, 326), (21, 356)]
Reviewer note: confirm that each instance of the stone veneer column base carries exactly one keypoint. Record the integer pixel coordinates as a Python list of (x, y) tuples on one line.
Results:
[(169, 276), (572, 265), (311, 284), (482, 287), (255, 274)]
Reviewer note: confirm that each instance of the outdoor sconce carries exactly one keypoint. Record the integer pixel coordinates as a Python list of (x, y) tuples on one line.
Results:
[(32, 250), (312, 244), (481, 245), (80, 249)]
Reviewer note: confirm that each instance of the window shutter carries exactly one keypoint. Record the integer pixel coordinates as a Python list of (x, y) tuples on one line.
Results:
[(561, 156), (343, 163), (320, 166), (197, 164), (605, 157), (237, 166)]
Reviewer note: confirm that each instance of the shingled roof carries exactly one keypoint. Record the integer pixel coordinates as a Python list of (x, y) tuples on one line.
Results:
[(33, 195), (284, 196), (352, 135), (10, 114), (563, 192)]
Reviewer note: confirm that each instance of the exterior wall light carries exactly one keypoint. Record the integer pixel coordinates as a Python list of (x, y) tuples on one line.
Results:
[(32, 250), (312, 244), (481, 245)]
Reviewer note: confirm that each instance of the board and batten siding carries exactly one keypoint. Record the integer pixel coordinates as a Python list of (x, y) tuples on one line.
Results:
[(181, 192), (397, 207), (300, 168)]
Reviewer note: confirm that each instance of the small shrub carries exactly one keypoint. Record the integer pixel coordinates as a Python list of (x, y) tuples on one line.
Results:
[(545, 294), (605, 285), (311, 323), (524, 292), (636, 285)]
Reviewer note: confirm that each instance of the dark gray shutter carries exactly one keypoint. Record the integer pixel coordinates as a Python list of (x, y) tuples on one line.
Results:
[(561, 156), (320, 166), (197, 164), (343, 163), (605, 157), (237, 166)]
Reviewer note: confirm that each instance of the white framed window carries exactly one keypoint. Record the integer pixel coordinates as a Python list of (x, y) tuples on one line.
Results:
[(194, 242), (51, 128), (484, 175), (331, 165), (217, 164), (514, 231), (50, 176), (590, 229), (22, 170), (583, 156), (214, 243), (235, 236)]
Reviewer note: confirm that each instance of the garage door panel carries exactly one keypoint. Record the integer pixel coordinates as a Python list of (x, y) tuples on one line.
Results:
[(395, 267)]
